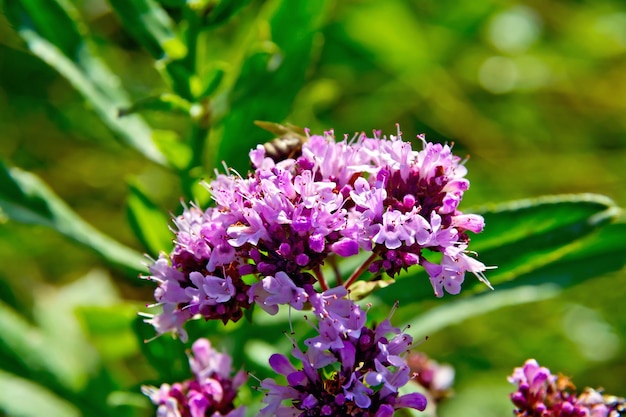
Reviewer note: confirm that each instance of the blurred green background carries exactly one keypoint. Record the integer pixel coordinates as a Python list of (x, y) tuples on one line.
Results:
[(534, 92)]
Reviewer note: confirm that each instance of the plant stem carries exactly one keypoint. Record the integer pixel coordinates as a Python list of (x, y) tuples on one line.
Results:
[(320, 278), (196, 141), (360, 270), (332, 260)]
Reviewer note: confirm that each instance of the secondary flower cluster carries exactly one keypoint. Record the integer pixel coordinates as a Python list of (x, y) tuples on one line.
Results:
[(542, 394), (210, 393), (348, 369), (280, 224), (435, 378)]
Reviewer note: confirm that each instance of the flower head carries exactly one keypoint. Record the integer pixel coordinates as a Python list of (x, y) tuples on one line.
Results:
[(349, 369), (210, 393), (436, 378), (542, 394), (269, 233)]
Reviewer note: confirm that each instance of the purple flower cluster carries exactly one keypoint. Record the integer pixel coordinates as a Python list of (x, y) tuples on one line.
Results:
[(348, 369), (436, 378), (210, 393), (541, 394), (281, 223)]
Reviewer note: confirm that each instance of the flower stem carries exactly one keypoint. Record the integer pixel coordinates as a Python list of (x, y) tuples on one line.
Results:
[(332, 260), (320, 278), (360, 270)]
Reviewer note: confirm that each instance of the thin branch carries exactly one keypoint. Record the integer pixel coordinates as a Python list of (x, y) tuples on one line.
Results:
[(360, 270), (320, 277)]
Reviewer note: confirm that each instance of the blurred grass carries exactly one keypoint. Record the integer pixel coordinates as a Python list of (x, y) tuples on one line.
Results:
[(535, 93)]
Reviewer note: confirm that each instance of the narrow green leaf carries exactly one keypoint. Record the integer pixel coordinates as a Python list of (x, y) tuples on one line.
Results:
[(29, 348), (109, 329), (151, 26), (25, 198), (361, 289), (58, 21), (177, 76), (178, 154), (73, 56), (460, 309), (517, 220), (165, 354), (526, 237), (223, 11), (23, 398), (148, 222), (170, 103), (599, 253), (270, 77), (209, 83), (56, 316)]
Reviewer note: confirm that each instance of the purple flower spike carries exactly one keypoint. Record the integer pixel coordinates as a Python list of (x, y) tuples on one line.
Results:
[(279, 225), (348, 372), (210, 393), (542, 394)]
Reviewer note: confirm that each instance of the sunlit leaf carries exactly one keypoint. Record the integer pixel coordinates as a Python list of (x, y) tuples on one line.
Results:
[(109, 329), (361, 289), (58, 21), (25, 198), (524, 237), (56, 313), (72, 56), (32, 352), (148, 222), (24, 398), (165, 102), (178, 154), (165, 354), (552, 217), (151, 26), (224, 10), (460, 309), (270, 77)]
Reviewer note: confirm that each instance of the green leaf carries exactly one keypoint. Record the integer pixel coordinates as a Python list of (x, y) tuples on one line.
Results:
[(546, 216), (151, 26), (599, 253), (526, 238), (109, 329), (57, 21), (361, 289), (165, 354), (170, 103), (206, 85), (28, 348), (27, 199), (148, 222), (24, 398), (61, 40), (179, 154), (56, 315), (270, 77), (522, 236), (224, 10), (458, 310)]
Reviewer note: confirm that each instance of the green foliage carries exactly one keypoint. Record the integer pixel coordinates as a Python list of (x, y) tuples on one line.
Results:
[(25, 198), (148, 222), (523, 238), (180, 84), (61, 40), (270, 76)]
